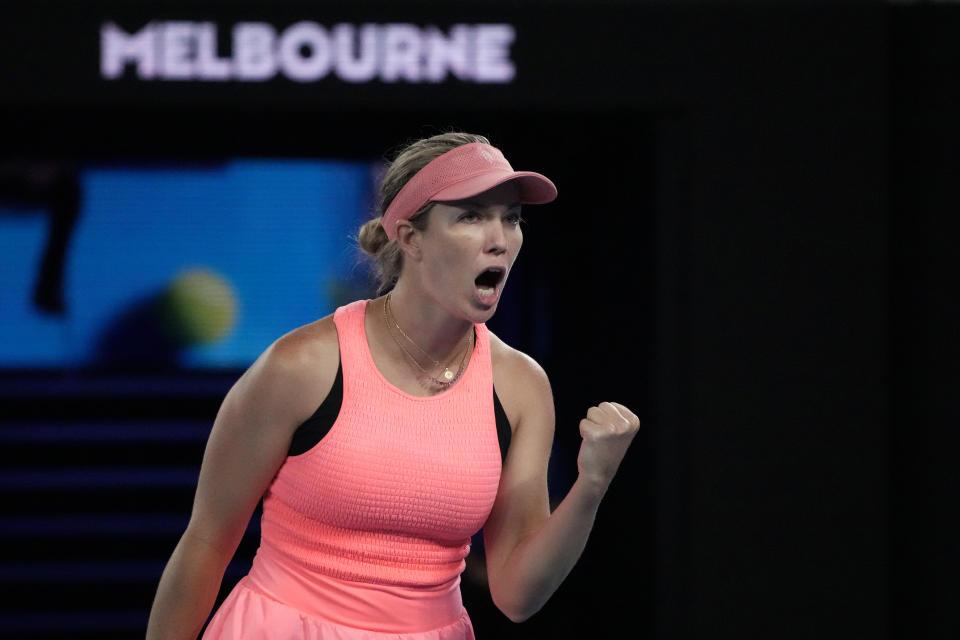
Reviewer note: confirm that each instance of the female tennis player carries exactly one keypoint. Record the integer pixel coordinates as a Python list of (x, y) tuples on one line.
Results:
[(382, 437)]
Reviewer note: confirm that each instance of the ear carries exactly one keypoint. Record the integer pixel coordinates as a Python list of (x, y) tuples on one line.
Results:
[(408, 239)]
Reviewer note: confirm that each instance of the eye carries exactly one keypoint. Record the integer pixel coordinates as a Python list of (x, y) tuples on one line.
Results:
[(469, 216), (513, 218)]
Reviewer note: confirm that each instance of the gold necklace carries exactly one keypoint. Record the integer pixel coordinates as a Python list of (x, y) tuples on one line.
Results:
[(449, 376)]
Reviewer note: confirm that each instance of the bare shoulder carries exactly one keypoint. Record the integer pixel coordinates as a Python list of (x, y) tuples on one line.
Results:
[(312, 345), (521, 384), (296, 372), (513, 366)]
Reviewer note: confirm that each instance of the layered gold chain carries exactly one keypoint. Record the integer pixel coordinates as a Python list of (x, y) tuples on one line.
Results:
[(449, 377)]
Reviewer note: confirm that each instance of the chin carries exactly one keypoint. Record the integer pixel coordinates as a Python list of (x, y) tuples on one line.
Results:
[(482, 313)]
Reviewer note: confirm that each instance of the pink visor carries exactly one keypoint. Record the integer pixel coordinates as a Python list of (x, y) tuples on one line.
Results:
[(461, 173)]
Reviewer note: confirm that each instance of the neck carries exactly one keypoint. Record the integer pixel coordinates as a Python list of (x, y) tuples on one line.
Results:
[(432, 328)]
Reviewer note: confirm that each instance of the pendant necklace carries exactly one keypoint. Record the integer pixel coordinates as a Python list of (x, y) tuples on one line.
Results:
[(448, 376)]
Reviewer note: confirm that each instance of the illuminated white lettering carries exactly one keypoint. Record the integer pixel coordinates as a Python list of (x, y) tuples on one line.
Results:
[(118, 47), (209, 66), (176, 51), (444, 55), (295, 63), (308, 52), (253, 44), (492, 56), (355, 61), (401, 53)]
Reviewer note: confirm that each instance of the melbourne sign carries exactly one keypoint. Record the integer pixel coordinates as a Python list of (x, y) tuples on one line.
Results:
[(308, 52)]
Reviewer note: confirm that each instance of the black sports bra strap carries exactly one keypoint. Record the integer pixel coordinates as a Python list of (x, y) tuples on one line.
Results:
[(314, 428), (503, 427), (309, 434)]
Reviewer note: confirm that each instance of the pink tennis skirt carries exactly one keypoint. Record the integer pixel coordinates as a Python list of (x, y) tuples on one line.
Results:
[(335, 610)]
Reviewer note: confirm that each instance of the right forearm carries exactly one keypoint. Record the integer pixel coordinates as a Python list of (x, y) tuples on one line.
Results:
[(187, 591)]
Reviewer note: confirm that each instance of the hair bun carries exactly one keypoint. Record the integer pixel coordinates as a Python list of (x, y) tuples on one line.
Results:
[(371, 237)]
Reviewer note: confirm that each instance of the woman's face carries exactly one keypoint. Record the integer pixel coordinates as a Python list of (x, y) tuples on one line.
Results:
[(467, 251)]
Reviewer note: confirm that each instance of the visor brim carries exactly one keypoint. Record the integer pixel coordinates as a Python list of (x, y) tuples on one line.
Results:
[(534, 188)]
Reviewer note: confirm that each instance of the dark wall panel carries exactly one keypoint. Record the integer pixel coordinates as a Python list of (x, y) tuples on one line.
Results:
[(784, 356), (925, 312)]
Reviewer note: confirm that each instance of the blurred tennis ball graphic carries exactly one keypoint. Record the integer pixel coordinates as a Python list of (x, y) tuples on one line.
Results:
[(198, 307)]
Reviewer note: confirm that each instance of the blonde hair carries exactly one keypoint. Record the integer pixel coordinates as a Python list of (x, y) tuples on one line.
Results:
[(386, 255)]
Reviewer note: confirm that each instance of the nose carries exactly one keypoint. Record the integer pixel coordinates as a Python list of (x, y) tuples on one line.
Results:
[(496, 238)]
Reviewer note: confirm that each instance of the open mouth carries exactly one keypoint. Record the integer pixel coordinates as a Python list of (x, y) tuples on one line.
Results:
[(488, 281)]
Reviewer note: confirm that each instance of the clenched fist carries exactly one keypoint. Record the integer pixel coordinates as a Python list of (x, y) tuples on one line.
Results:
[(607, 431)]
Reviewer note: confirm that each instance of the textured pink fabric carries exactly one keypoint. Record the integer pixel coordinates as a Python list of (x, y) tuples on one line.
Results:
[(368, 530), (463, 172), (248, 614)]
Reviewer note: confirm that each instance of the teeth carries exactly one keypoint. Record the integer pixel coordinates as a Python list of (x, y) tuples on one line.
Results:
[(484, 291)]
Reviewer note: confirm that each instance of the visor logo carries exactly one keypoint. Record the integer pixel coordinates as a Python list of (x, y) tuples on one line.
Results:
[(488, 155)]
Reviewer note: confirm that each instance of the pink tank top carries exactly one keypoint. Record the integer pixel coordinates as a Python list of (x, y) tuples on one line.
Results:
[(371, 526)]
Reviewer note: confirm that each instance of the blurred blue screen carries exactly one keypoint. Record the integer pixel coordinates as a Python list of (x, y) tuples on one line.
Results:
[(187, 266)]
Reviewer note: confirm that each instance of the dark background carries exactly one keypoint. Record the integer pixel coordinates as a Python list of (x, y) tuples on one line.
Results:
[(753, 248)]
